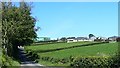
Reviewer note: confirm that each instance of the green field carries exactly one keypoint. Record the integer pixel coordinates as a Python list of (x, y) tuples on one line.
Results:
[(54, 46), (105, 49)]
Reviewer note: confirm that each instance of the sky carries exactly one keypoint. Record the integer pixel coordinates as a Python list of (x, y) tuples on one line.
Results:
[(66, 19), (76, 19), (61, 0)]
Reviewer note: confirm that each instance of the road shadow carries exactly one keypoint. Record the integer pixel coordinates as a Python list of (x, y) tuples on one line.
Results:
[(24, 58)]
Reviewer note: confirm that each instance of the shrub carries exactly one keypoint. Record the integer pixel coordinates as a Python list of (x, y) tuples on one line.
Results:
[(32, 55), (115, 61), (118, 39), (8, 61), (96, 62), (91, 62)]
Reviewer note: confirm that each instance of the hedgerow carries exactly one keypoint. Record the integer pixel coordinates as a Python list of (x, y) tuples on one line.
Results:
[(7, 61), (95, 62)]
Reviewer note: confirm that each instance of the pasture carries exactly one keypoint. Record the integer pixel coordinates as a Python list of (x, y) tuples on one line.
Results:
[(104, 49), (107, 49), (54, 46)]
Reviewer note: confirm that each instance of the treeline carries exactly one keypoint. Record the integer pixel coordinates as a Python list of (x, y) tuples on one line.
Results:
[(47, 42), (50, 41), (18, 27)]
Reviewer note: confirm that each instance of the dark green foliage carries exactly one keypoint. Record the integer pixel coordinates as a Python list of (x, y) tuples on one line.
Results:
[(32, 55), (93, 62), (91, 35), (98, 40), (118, 39), (115, 61), (46, 42), (55, 60), (71, 59), (17, 27), (96, 62), (63, 39), (7, 61)]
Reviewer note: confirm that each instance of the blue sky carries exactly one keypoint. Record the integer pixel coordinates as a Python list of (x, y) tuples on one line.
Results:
[(65, 19)]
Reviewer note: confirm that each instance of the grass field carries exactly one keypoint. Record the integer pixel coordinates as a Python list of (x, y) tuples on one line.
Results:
[(95, 50), (106, 49), (54, 46)]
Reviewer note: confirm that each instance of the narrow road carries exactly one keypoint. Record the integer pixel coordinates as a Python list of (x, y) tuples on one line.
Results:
[(25, 61)]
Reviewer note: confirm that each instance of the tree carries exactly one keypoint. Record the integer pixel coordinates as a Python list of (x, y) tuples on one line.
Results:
[(118, 39), (63, 39), (91, 35), (6, 27), (18, 27)]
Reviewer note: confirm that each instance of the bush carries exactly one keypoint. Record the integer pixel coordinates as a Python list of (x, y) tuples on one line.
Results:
[(86, 62), (54, 60), (96, 62), (91, 62), (115, 61), (118, 39), (32, 55), (8, 61)]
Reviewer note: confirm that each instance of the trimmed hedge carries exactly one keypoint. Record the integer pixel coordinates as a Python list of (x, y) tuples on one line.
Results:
[(86, 62), (95, 62), (55, 60)]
